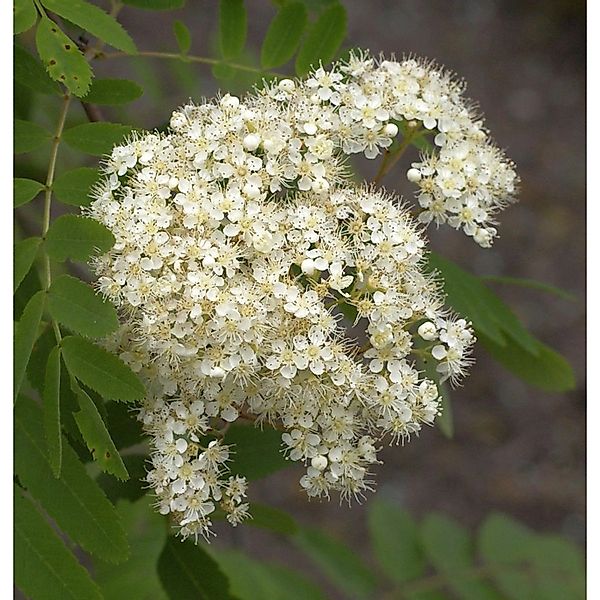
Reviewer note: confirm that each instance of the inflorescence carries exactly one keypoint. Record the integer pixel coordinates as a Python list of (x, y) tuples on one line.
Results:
[(255, 281)]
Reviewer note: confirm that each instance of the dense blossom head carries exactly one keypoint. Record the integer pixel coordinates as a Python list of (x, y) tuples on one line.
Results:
[(254, 281)]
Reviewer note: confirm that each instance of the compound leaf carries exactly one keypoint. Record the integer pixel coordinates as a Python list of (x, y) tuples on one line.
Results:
[(44, 568), (74, 501)]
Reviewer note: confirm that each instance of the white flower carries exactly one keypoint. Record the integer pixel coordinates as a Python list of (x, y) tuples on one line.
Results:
[(241, 247)]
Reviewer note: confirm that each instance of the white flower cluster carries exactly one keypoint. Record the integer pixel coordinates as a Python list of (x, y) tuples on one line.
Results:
[(240, 245)]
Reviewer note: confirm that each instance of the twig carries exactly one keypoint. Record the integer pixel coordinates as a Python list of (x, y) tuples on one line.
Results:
[(191, 58)]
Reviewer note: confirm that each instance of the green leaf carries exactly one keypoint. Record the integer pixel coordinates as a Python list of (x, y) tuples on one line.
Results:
[(450, 550), (25, 252), (559, 568), (113, 91), (532, 284), (77, 306), (96, 138), (257, 452), (100, 370), (73, 187), (488, 313), (505, 542), (547, 370), (29, 72), (232, 28), (125, 429), (132, 489), (25, 190), (75, 237), (267, 517), (26, 332), (529, 565), (74, 501), (187, 572), (51, 405), (28, 136), (25, 15), (340, 564), (251, 579), (323, 40), (136, 579), (43, 567), (62, 58), (395, 541), (36, 369), (183, 36), (283, 35), (156, 4), (28, 287), (97, 437), (94, 20)]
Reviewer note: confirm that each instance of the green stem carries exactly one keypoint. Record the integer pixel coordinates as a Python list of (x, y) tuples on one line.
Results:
[(46, 269), (187, 57), (391, 158)]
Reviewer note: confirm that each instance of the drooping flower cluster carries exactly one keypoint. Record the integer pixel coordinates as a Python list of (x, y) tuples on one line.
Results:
[(240, 246)]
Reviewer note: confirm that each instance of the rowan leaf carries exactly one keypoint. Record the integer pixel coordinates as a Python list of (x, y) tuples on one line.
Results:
[(232, 28), (24, 254), (251, 579), (76, 305), (187, 572), (73, 187), (113, 91), (26, 332), (268, 517), (25, 190), (96, 138), (74, 501), (78, 238), (338, 563), (395, 541), (51, 412), (183, 36), (546, 370), (100, 370), (29, 136), (25, 15), (257, 451), (97, 437), (471, 298), (450, 549), (94, 20), (136, 579), (62, 58), (323, 40), (29, 72), (283, 35), (44, 568)]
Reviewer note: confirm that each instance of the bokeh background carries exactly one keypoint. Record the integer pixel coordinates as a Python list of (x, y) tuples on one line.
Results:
[(515, 449)]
